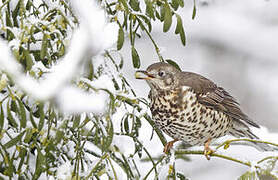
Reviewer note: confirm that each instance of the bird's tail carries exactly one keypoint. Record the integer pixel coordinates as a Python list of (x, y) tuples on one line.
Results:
[(241, 130)]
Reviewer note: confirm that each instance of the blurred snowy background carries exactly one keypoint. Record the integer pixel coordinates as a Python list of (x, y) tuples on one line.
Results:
[(235, 44)]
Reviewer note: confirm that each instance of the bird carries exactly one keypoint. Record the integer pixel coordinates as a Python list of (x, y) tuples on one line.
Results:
[(189, 107)]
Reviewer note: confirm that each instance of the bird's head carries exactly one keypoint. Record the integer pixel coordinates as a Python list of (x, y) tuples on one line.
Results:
[(159, 76)]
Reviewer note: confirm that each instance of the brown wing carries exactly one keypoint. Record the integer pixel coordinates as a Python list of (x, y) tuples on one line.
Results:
[(210, 95)]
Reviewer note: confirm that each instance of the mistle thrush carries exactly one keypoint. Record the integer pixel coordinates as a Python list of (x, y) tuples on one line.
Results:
[(189, 107)]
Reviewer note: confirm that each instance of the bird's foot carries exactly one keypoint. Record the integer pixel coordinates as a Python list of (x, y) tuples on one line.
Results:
[(207, 150), (168, 146)]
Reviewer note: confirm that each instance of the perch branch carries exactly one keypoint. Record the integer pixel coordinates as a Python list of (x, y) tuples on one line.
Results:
[(248, 140)]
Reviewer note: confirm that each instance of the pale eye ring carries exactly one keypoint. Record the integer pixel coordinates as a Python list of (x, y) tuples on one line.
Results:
[(161, 73)]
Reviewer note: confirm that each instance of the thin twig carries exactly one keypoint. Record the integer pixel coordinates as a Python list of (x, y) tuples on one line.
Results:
[(266, 158), (96, 166), (249, 140), (188, 152), (154, 166), (181, 152), (113, 169), (155, 45)]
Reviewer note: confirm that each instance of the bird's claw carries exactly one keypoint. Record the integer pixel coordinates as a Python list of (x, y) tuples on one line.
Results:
[(168, 146), (208, 152)]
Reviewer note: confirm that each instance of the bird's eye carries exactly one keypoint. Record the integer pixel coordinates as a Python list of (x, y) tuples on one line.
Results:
[(161, 73)]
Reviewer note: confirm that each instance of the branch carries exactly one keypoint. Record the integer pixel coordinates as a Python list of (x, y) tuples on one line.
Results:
[(85, 44), (151, 38), (248, 140), (214, 154), (192, 152), (182, 152)]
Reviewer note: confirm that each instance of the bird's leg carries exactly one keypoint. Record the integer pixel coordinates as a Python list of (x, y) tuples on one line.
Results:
[(207, 150), (169, 145)]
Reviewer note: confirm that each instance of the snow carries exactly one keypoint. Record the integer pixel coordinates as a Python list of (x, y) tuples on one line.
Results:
[(84, 44), (7, 62), (99, 83), (93, 17), (80, 101), (127, 148), (64, 171)]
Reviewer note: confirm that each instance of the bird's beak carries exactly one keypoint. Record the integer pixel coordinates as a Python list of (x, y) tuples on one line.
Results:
[(143, 75)]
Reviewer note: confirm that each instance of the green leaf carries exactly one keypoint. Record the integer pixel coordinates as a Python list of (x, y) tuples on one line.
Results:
[(179, 24), (13, 106), (1, 119), (109, 138), (28, 60), (181, 3), (116, 85), (149, 9), (8, 19), (162, 13), (121, 38), (22, 156), (42, 116), (181, 176), (124, 3), (10, 34), (10, 116), (14, 141), (137, 124), (157, 15), (28, 5), (52, 116), (126, 125), (167, 18), (175, 4), (121, 63), (134, 4), (227, 145), (59, 136), (28, 135), (22, 114), (32, 120), (147, 21), (138, 149), (194, 11), (173, 63), (135, 58), (10, 170), (44, 47), (36, 54), (15, 13), (76, 122), (40, 162), (182, 36)]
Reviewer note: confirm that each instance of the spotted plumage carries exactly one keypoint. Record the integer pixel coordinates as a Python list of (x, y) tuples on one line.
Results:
[(190, 107), (187, 120)]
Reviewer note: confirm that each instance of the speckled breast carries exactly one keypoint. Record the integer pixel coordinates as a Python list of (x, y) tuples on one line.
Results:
[(178, 114)]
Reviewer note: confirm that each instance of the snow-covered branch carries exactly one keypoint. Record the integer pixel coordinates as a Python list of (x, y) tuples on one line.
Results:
[(92, 36)]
